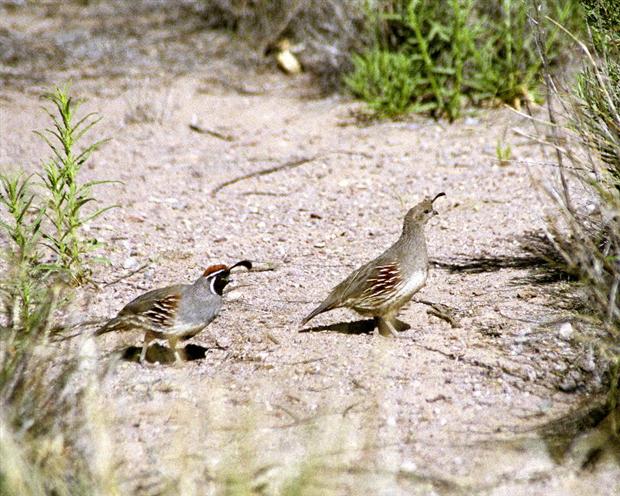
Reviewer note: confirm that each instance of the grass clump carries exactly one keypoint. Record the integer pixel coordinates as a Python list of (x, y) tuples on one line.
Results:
[(597, 117), (459, 51), (588, 236), (52, 432), (383, 80), (598, 89), (425, 43)]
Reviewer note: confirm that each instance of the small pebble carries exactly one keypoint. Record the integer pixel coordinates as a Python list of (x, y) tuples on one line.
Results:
[(566, 331), (130, 263)]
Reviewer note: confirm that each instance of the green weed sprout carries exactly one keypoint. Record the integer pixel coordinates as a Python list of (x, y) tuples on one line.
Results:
[(23, 228), (67, 197), (503, 153)]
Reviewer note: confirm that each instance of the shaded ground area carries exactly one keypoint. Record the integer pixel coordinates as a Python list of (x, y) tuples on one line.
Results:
[(445, 410)]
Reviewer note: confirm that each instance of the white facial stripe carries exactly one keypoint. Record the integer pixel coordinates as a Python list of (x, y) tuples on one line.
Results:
[(213, 274)]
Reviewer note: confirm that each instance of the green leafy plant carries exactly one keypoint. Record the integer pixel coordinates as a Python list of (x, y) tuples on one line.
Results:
[(23, 228), (385, 80), (430, 37), (418, 59), (67, 196), (458, 51), (52, 440), (44, 232)]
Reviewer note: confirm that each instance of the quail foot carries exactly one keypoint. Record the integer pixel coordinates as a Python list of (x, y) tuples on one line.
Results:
[(381, 287), (175, 312)]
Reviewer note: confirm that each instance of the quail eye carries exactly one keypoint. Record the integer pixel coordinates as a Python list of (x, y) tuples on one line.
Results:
[(427, 211)]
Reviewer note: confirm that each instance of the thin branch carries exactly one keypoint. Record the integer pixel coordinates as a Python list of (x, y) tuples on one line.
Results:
[(287, 165), (443, 312), (549, 86), (540, 141), (530, 117), (203, 130)]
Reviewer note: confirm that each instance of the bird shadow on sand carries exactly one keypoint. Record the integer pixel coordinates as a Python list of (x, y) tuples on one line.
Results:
[(356, 327), (157, 353)]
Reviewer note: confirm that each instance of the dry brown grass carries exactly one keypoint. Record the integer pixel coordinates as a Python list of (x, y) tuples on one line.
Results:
[(585, 189)]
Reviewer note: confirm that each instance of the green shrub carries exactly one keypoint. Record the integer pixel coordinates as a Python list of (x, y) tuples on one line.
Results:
[(459, 50), (67, 196), (387, 81), (597, 115), (417, 61), (52, 440), (49, 227)]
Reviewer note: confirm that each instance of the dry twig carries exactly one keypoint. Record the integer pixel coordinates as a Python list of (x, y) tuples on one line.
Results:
[(211, 132), (287, 165)]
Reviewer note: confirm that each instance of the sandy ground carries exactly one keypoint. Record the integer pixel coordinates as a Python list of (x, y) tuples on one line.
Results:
[(441, 410)]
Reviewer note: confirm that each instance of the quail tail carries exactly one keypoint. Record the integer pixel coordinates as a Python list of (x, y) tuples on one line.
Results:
[(115, 324), (323, 307)]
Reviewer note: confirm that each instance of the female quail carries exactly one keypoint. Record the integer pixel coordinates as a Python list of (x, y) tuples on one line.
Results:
[(175, 312), (382, 286)]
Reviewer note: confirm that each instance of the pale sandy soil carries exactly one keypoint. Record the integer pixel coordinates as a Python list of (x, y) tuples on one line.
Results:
[(440, 411)]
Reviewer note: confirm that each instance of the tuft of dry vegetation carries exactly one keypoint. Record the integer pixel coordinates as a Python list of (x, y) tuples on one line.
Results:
[(587, 233), (53, 430)]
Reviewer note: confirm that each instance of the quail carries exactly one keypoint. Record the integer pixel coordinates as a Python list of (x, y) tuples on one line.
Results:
[(382, 286), (175, 312)]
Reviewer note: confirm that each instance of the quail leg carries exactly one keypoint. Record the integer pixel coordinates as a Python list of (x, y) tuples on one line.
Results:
[(148, 337), (386, 328), (172, 342)]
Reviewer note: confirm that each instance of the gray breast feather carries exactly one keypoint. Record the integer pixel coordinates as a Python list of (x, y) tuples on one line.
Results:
[(199, 308)]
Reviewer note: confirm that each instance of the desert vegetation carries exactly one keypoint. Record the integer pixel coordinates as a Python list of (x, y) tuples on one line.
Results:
[(264, 418), (589, 245)]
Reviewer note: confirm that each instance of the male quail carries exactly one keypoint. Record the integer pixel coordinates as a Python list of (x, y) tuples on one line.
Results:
[(382, 286), (175, 312)]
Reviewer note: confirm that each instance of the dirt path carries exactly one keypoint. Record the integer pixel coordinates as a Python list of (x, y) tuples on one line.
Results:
[(441, 410)]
